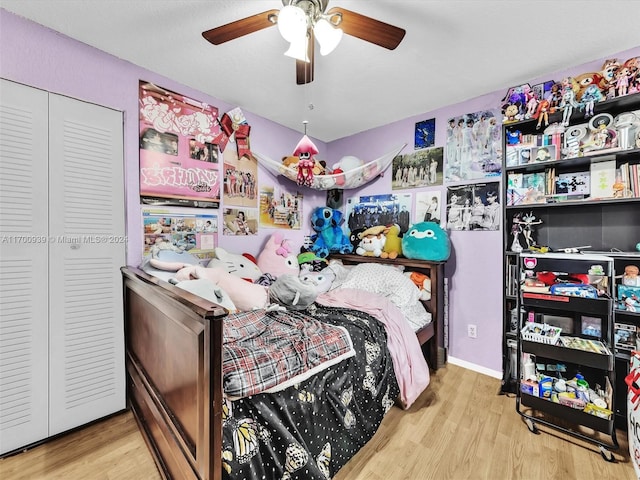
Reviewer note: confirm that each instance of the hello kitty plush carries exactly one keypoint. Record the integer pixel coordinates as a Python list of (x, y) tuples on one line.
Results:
[(277, 257), (243, 266)]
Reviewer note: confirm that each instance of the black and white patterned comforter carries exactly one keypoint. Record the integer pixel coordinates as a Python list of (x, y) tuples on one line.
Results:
[(310, 430)]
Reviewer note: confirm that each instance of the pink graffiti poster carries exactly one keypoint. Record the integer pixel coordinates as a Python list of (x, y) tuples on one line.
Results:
[(179, 149)]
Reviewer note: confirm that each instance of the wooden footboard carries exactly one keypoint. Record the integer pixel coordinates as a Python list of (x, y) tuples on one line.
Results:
[(174, 374)]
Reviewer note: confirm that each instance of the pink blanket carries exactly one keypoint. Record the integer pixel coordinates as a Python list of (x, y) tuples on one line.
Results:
[(409, 364)]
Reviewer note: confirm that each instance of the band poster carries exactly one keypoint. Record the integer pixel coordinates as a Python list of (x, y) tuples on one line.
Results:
[(179, 149)]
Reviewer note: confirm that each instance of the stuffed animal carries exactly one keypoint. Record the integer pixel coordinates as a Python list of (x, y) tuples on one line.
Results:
[(309, 261), (393, 244), (354, 237), (290, 291), (372, 241), (426, 241), (290, 162), (305, 151), (320, 281), (244, 295), (243, 266), (329, 237), (207, 289), (422, 281), (277, 257), (349, 166), (167, 261)]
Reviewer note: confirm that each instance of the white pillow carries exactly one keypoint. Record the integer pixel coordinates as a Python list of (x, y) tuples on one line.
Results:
[(388, 281)]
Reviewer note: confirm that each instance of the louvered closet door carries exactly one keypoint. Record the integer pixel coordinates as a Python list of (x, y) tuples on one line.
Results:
[(23, 266), (86, 218)]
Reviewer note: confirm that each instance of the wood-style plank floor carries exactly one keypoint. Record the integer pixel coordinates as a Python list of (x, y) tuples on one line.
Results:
[(458, 429)]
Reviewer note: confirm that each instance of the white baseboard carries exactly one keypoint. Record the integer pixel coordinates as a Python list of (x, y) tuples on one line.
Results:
[(476, 368)]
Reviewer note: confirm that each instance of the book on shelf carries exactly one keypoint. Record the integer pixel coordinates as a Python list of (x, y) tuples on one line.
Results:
[(624, 336), (573, 183), (603, 177), (628, 298), (515, 190), (534, 285), (535, 185), (544, 153), (587, 345), (517, 155), (627, 179)]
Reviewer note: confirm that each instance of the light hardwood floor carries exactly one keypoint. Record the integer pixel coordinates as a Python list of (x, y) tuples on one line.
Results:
[(459, 428)]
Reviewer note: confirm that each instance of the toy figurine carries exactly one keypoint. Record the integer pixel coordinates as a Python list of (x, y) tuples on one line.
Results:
[(567, 104), (542, 113), (554, 97), (532, 105), (526, 223), (516, 229), (621, 81), (631, 276), (590, 96)]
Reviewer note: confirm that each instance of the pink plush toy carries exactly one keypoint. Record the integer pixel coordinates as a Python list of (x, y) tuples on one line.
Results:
[(278, 258), (244, 295)]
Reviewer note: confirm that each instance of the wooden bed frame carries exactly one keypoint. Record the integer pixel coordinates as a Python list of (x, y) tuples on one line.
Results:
[(174, 368)]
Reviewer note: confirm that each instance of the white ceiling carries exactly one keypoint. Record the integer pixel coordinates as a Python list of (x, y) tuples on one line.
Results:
[(454, 50)]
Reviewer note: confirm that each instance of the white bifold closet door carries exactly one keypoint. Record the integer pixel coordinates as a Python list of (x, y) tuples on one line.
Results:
[(62, 350), (87, 249), (24, 266)]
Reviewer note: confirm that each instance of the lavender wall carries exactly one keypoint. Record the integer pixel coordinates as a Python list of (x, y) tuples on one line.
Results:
[(36, 56), (475, 267), (42, 58)]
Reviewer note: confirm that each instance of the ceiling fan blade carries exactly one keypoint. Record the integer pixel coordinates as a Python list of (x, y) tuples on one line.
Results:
[(304, 70), (368, 29), (242, 27)]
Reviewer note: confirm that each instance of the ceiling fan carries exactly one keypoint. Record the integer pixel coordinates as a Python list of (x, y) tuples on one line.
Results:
[(301, 22)]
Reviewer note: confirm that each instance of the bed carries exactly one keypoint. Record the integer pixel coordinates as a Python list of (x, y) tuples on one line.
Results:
[(176, 377)]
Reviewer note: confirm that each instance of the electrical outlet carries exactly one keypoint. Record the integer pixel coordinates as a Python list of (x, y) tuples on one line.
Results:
[(472, 331)]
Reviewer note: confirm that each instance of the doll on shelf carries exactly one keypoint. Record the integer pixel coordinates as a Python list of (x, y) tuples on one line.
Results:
[(542, 113), (567, 104), (590, 96)]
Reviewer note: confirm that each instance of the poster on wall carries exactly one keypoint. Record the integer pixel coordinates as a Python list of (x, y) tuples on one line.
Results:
[(428, 206), (240, 179), (418, 169), (171, 228), (473, 207), (473, 148), (372, 210), (280, 208), (179, 149), (425, 134), (240, 221)]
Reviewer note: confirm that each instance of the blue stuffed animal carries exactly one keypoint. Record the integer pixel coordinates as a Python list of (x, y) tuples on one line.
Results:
[(329, 237), (426, 241)]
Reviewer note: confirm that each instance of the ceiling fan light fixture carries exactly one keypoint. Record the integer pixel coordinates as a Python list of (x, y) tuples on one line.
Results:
[(298, 49), (292, 23), (328, 36)]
